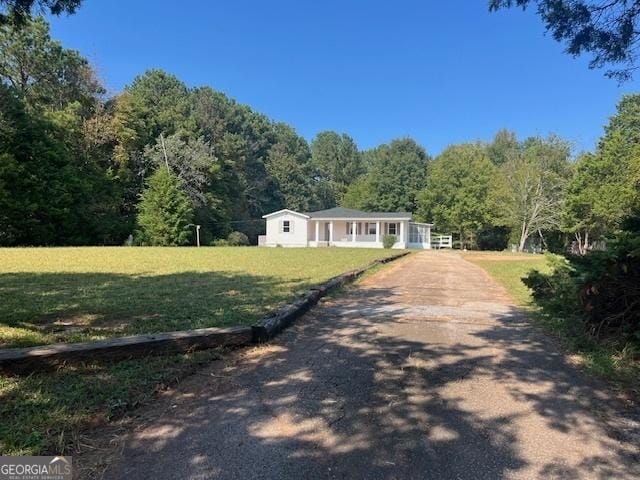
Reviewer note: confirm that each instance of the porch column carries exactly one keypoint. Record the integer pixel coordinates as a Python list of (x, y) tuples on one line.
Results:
[(402, 231), (317, 232), (331, 232), (377, 232), (353, 232)]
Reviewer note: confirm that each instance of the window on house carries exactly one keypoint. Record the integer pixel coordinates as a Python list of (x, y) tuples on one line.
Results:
[(286, 226), (392, 228), (371, 228)]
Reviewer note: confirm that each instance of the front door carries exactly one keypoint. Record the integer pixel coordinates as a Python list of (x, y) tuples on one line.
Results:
[(326, 232)]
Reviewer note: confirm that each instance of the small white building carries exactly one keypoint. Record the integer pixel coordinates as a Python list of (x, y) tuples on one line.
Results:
[(344, 227)]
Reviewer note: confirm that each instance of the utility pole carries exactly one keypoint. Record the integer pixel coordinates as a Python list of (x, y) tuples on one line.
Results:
[(198, 235)]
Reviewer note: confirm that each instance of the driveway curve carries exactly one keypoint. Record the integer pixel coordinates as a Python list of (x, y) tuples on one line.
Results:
[(423, 370)]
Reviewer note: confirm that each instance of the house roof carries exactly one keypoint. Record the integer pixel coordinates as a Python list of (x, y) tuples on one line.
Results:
[(348, 213), (285, 210)]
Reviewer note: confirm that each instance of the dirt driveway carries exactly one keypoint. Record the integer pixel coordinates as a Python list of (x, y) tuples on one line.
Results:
[(424, 370)]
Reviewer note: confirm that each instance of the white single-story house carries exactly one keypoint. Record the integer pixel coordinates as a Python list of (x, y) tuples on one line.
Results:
[(344, 227)]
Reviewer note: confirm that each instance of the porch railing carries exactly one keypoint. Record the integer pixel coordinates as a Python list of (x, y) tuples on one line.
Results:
[(359, 238)]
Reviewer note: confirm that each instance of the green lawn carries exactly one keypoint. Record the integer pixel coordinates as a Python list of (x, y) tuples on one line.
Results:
[(73, 294), (66, 294), (508, 269)]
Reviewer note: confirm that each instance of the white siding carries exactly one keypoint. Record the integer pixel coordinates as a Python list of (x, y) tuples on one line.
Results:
[(295, 238)]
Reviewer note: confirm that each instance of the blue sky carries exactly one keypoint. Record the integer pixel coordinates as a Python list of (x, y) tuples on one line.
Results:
[(441, 72)]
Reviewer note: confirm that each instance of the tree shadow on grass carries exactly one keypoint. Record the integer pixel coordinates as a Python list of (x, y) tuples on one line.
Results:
[(49, 307), (361, 388)]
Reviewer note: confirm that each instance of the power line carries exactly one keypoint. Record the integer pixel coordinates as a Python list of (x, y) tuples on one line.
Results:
[(239, 221)]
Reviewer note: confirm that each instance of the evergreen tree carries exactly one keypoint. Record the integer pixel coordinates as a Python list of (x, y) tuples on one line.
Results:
[(289, 163), (337, 163), (164, 211)]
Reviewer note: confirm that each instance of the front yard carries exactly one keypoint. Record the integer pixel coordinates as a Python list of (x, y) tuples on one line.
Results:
[(71, 294), (74, 294), (509, 268)]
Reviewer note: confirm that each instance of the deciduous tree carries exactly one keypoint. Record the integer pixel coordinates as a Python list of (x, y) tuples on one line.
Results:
[(504, 147), (537, 178), (464, 192), (604, 187)]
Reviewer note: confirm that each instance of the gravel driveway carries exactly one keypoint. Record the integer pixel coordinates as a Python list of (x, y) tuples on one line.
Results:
[(423, 370)]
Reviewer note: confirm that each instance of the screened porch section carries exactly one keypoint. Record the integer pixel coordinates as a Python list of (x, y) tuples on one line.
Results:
[(419, 235)]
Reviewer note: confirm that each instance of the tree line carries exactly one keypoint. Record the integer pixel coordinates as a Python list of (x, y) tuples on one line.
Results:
[(76, 163), (80, 167)]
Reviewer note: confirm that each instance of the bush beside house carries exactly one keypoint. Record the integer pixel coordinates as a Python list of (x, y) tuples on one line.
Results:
[(388, 241)]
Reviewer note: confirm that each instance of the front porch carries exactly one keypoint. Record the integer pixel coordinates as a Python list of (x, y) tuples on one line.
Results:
[(363, 234)]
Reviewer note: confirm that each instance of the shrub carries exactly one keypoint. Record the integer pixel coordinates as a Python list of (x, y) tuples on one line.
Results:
[(220, 242), (388, 241), (609, 284), (602, 287), (493, 238), (556, 292), (237, 239)]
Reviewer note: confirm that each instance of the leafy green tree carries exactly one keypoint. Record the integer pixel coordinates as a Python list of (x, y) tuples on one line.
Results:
[(165, 213), (537, 178), (16, 12), (361, 195), (604, 187), (607, 29), (504, 147), (192, 160), (155, 103), (242, 140), (464, 192), (397, 173), (337, 163), (47, 75)]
